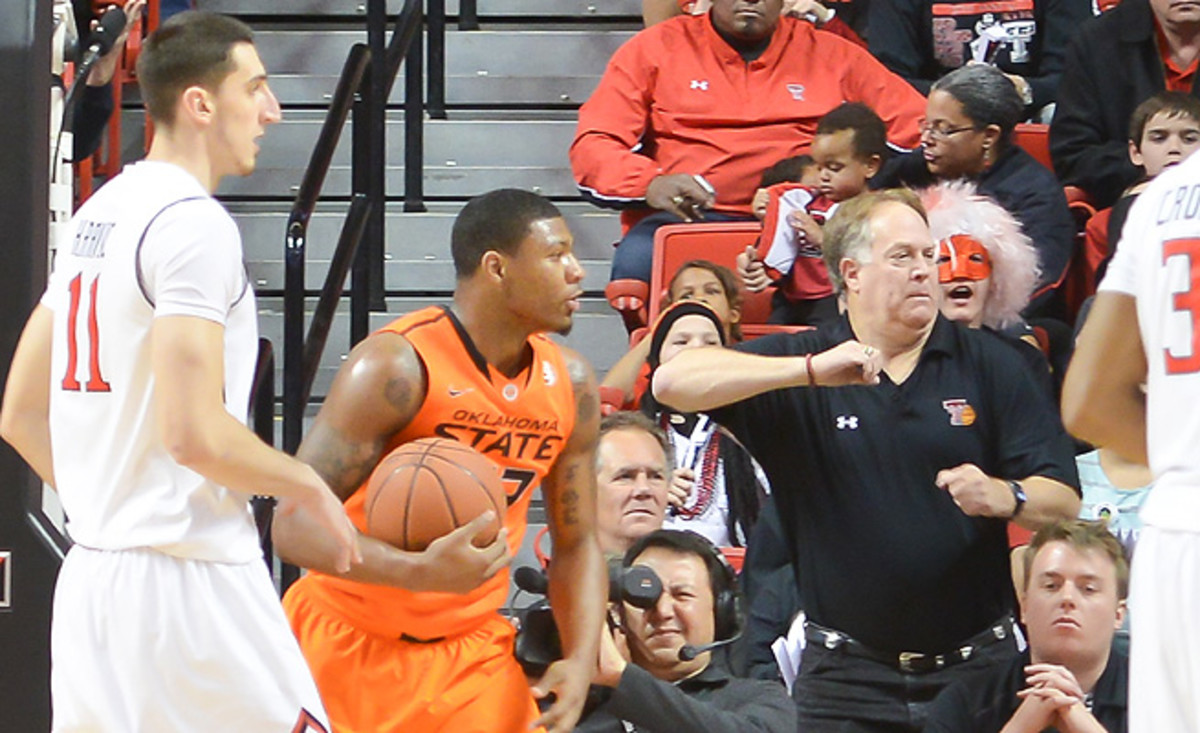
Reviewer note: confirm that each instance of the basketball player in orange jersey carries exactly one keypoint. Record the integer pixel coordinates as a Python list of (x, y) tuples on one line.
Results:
[(412, 641)]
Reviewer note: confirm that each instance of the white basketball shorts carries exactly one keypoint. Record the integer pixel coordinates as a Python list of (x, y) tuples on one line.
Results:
[(143, 641)]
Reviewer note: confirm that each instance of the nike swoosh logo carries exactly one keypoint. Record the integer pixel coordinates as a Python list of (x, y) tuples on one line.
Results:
[(460, 392)]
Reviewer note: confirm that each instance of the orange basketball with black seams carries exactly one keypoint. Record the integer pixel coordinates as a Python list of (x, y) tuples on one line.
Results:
[(427, 488)]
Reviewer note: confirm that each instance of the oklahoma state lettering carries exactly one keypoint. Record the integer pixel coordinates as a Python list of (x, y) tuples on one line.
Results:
[(522, 438)]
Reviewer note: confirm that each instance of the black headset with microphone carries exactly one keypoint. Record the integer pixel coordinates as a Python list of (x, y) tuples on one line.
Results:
[(728, 611)]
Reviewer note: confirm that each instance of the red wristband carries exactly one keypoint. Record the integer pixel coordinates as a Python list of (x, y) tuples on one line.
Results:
[(812, 376)]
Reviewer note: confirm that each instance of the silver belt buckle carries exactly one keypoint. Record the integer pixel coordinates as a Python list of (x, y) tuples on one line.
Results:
[(906, 660), (833, 640)]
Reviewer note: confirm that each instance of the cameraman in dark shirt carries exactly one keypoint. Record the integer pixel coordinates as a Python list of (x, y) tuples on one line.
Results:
[(658, 662)]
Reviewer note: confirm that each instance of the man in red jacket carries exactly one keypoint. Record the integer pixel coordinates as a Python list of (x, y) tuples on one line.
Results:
[(691, 111)]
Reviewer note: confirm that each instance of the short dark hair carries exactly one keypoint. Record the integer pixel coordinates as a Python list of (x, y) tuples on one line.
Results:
[(1082, 535), (986, 95), (721, 577), (191, 48), (870, 132), (729, 283), (788, 170), (1175, 104), (632, 420), (497, 220)]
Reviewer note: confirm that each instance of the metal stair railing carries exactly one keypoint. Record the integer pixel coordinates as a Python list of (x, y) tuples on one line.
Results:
[(364, 85)]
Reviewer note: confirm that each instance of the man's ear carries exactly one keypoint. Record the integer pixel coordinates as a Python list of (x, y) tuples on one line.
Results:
[(1122, 610), (196, 104), (493, 264), (850, 270)]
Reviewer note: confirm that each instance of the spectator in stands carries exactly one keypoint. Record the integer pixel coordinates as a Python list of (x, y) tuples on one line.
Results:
[(967, 133), (633, 468), (700, 280), (987, 268), (848, 149), (800, 169), (658, 684), (1114, 63), (817, 13), (716, 488), (1070, 679), (894, 498), (1164, 131), (690, 111), (921, 40)]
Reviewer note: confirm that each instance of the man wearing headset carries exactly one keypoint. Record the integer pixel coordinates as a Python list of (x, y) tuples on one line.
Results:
[(658, 662)]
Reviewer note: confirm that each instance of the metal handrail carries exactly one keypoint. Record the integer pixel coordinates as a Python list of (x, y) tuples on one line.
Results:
[(360, 90), (295, 369)]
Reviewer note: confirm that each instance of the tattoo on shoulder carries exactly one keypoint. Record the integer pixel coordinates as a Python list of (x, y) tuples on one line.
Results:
[(399, 393)]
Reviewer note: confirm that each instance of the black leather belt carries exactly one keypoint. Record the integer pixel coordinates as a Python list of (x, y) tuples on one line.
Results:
[(910, 662)]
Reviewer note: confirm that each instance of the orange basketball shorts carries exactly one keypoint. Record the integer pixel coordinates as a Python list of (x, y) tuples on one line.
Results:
[(469, 683)]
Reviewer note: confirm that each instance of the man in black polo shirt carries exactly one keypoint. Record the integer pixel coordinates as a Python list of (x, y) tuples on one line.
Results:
[(896, 483)]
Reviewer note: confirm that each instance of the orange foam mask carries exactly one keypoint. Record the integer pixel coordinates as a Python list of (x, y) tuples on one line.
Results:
[(963, 257)]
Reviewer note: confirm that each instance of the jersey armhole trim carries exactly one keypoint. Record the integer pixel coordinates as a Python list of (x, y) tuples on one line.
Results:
[(137, 257)]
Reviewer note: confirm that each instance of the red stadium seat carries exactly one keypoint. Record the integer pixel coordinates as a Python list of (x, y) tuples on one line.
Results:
[(628, 297), (1076, 283), (1034, 138), (718, 242)]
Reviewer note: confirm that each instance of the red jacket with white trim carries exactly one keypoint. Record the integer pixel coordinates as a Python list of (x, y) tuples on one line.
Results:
[(676, 98)]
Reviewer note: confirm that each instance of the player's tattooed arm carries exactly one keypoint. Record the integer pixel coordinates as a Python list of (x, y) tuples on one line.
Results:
[(577, 577), (374, 395)]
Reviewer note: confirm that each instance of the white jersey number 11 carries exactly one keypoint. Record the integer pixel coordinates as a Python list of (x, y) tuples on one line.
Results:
[(95, 381)]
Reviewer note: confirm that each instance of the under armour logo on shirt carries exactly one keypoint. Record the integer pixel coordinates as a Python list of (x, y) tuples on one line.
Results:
[(701, 84), (797, 91), (847, 422)]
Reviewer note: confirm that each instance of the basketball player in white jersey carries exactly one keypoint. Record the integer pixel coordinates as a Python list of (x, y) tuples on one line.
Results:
[(1144, 329), (128, 393)]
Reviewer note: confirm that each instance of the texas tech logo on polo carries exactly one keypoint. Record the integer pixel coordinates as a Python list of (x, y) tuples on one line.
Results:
[(961, 412), (510, 436)]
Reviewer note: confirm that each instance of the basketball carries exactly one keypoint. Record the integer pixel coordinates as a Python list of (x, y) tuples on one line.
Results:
[(427, 488)]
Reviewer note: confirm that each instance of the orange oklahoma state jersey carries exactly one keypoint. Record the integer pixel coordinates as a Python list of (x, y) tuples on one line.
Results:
[(522, 424)]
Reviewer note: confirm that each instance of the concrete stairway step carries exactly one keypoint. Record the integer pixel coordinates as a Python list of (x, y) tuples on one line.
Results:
[(417, 257), (462, 157), (490, 67)]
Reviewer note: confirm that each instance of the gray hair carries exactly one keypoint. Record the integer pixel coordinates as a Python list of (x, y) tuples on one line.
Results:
[(848, 234), (631, 420), (986, 95)]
